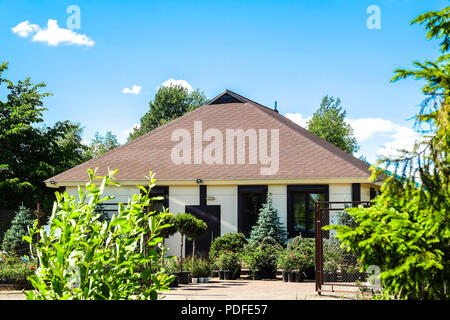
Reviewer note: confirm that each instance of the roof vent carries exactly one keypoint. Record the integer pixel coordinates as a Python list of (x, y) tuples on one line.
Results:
[(275, 107)]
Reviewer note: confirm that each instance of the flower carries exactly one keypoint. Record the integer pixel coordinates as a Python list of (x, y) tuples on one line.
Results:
[(227, 250), (179, 262), (31, 268)]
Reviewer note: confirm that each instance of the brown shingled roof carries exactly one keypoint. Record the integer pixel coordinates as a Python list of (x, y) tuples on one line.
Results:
[(301, 153)]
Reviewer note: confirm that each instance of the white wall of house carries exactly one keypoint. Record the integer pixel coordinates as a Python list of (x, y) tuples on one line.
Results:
[(179, 197), (226, 197), (279, 201)]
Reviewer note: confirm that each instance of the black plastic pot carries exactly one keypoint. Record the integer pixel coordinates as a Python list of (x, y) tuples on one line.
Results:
[(174, 283), (221, 275), (291, 276), (285, 276), (299, 276), (227, 274), (183, 277)]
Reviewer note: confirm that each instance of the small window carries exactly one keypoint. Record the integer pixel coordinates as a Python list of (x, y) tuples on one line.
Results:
[(159, 205)]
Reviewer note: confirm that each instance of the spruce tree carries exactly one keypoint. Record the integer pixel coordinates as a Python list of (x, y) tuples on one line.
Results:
[(268, 224), (12, 241)]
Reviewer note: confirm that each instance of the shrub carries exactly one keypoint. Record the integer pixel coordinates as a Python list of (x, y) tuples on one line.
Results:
[(295, 260), (262, 258), (12, 241), (234, 242), (15, 270), (199, 268), (83, 258), (228, 260)]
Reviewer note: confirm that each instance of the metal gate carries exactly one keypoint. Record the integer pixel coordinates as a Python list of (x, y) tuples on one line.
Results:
[(336, 269)]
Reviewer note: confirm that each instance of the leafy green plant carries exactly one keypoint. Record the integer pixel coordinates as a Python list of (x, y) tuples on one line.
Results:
[(15, 270), (262, 258), (234, 242), (199, 268), (82, 257), (228, 260)]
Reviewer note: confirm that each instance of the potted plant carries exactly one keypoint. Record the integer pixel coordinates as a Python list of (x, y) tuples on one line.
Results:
[(262, 259), (228, 263), (204, 270), (330, 271), (286, 262)]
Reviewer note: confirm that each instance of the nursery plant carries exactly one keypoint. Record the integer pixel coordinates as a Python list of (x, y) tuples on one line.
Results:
[(82, 257), (268, 224), (234, 242), (12, 240), (190, 227)]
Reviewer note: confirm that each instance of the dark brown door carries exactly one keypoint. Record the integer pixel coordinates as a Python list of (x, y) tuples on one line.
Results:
[(211, 216)]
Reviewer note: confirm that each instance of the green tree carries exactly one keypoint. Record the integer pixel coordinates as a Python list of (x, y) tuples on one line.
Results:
[(101, 144), (12, 240), (407, 230), (328, 122), (268, 224), (31, 152), (169, 103)]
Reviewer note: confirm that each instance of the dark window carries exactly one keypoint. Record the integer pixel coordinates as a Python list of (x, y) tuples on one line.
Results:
[(250, 201), (159, 191), (301, 201)]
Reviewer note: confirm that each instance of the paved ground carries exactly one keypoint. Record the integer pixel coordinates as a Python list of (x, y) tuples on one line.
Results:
[(232, 290), (248, 290)]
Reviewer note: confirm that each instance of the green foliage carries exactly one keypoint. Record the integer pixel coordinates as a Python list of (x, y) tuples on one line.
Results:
[(82, 257), (15, 270), (262, 257), (298, 255), (228, 260), (30, 152), (100, 145), (169, 103), (190, 227), (12, 240), (407, 230), (234, 242), (268, 224), (328, 122), (198, 268)]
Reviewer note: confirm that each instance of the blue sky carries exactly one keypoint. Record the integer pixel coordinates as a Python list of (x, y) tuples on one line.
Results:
[(294, 52)]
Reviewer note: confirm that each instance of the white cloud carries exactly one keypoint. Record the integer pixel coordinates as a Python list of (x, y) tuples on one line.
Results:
[(298, 119), (25, 28), (379, 137), (399, 136), (53, 35), (135, 89), (173, 82)]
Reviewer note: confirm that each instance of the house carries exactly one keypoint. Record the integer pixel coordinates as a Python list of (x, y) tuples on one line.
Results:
[(220, 161)]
